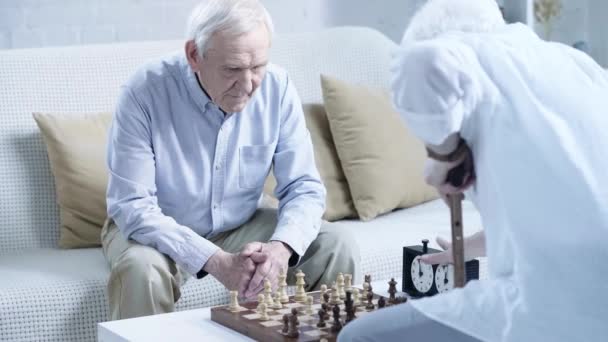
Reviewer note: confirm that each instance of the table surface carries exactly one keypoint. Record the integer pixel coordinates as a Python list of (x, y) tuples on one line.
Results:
[(191, 325)]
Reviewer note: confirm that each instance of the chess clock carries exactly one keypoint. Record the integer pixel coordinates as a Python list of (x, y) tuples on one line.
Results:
[(420, 279)]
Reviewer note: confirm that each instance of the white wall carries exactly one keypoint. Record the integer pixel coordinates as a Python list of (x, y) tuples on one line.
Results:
[(34, 23)]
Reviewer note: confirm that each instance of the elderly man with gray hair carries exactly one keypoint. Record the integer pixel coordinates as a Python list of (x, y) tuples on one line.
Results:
[(523, 122), (193, 139)]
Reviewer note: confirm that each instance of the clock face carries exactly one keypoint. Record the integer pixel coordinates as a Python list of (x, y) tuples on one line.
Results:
[(444, 278), (422, 275)]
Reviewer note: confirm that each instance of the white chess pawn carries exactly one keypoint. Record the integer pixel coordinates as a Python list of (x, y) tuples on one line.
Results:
[(277, 301), (323, 290), (234, 301), (268, 294), (365, 290), (283, 287), (260, 302), (340, 285), (348, 282), (300, 292), (309, 301), (335, 296), (263, 312), (356, 301)]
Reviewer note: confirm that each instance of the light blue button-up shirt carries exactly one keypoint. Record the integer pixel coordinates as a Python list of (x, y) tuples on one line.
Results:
[(181, 171)]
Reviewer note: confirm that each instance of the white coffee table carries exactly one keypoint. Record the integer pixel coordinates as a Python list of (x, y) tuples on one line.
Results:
[(192, 325)]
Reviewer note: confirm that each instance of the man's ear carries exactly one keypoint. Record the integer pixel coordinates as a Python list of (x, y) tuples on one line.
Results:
[(192, 55)]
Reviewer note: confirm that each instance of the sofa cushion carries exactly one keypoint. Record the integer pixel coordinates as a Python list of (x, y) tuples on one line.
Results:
[(382, 160), (338, 203), (76, 147)]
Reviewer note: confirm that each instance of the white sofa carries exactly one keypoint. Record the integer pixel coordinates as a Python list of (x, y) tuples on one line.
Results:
[(48, 294)]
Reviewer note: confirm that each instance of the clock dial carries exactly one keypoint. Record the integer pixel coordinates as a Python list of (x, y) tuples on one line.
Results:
[(422, 275), (444, 278)]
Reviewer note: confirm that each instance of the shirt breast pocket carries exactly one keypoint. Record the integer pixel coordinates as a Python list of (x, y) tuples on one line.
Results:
[(254, 165)]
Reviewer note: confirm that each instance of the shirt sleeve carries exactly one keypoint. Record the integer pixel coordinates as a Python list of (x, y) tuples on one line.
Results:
[(435, 88), (299, 189), (131, 193)]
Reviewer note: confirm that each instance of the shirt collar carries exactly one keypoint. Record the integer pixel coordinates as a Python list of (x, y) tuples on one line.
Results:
[(194, 88)]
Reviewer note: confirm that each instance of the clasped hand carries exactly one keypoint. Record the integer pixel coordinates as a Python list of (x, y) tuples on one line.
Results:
[(246, 271)]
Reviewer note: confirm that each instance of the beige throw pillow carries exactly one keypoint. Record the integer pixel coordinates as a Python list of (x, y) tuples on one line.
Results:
[(76, 146), (383, 162), (339, 203)]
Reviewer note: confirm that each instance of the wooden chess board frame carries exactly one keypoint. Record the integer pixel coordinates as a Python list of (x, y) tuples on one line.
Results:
[(246, 321)]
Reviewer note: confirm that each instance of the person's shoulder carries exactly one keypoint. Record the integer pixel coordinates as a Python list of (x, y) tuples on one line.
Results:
[(156, 72), (276, 75)]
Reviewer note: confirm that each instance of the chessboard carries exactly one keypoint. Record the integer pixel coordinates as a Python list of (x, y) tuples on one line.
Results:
[(247, 320)]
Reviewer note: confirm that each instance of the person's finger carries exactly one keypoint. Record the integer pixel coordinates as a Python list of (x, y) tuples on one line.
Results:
[(257, 281), (443, 243), (444, 257), (259, 257), (250, 248)]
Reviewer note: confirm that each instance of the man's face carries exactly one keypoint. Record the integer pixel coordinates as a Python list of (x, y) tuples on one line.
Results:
[(233, 67)]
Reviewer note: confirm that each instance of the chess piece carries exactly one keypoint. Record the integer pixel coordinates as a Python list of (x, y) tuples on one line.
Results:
[(300, 292), (356, 301), (325, 308), (293, 325), (337, 324), (234, 301), (348, 282), (370, 289), (309, 301), (340, 285), (285, 324), (283, 286), (260, 302), (349, 308), (326, 297), (294, 312), (277, 301), (323, 290), (322, 318), (268, 294), (370, 305), (263, 312), (392, 290), (365, 290), (368, 279), (381, 302), (335, 296)]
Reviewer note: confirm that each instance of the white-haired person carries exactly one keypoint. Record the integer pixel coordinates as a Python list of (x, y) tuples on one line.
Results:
[(532, 116), (193, 139)]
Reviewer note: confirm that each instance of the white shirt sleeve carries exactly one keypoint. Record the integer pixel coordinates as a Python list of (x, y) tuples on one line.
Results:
[(435, 88)]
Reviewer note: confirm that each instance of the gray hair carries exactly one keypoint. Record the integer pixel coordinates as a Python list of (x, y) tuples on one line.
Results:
[(440, 16), (235, 17)]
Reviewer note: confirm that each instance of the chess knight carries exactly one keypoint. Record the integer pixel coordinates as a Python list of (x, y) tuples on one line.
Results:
[(193, 139), (520, 125)]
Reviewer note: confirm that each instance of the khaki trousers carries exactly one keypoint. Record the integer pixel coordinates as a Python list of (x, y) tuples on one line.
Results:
[(145, 282)]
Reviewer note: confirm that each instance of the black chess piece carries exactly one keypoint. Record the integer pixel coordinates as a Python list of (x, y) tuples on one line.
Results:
[(370, 289), (400, 300), (326, 297), (325, 308), (337, 324), (293, 325), (370, 305), (381, 302), (368, 279), (392, 290), (285, 323), (294, 312), (321, 323)]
